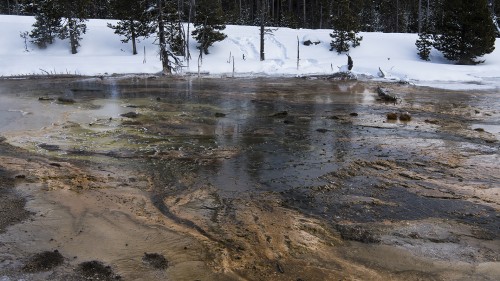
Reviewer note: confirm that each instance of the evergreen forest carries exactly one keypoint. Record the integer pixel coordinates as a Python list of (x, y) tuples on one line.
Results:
[(401, 16)]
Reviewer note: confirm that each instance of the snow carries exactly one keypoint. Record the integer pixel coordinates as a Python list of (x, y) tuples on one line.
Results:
[(102, 53)]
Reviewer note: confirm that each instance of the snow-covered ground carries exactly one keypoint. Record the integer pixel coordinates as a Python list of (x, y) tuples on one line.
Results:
[(102, 52)]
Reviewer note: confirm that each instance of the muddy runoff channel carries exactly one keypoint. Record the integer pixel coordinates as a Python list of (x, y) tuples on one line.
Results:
[(246, 179)]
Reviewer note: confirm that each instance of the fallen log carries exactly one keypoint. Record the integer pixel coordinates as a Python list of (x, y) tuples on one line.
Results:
[(385, 95)]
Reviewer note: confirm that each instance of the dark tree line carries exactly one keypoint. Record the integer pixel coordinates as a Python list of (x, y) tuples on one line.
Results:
[(373, 15)]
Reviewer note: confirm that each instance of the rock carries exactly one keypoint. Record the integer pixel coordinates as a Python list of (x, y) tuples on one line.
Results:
[(45, 99), (392, 116), (155, 260), (218, 114), (405, 116), (343, 75), (79, 152), (2, 139), (483, 234), (131, 123), (281, 114), (307, 43), (309, 39), (434, 122), (479, 129), (44, 261), (385, 95), (130, 115), (96, 270), (49, 147), (357, 233), (353, 114), (321, 130), (65, 100)]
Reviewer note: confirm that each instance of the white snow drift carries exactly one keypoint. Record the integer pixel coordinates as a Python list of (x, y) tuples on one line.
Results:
[(102, 52)]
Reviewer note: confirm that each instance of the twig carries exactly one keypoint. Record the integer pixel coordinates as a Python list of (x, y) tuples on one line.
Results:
[(298, 52), (233, 66)]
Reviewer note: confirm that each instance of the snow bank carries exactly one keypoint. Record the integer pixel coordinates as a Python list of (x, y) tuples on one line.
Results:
[(102, 52)]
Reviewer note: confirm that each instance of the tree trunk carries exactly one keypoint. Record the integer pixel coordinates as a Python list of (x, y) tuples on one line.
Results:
[(183, 34), (304, 13), (428, 14), (320, 16), (491, 6), (188, 35), (397, 16), (262, 54), (419, 16), (193, 4), (163, 42), (273, 12), (262, 31), (72, 36), (132, 31), (298, 52)]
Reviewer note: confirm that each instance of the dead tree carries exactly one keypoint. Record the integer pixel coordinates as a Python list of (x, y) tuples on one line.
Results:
[(350, 63)]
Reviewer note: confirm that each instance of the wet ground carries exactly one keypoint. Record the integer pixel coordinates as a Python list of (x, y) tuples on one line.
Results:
[(247, 179)]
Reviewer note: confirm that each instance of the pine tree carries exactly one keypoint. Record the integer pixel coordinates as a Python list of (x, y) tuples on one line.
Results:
[(494, 8), (164, 19), (72, 29), (64, 18), (466, 31), (174, 29), (208, 22), (177, 39), (132, 24), (47, 24), (74, 15), (346, 27), (424, 45)]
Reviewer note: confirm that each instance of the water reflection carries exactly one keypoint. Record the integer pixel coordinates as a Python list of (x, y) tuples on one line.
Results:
[(279, 153), (267, 135), (276, 153)]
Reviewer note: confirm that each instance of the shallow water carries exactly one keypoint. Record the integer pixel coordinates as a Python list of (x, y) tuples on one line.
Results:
[(272, 153), (324, 149)]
